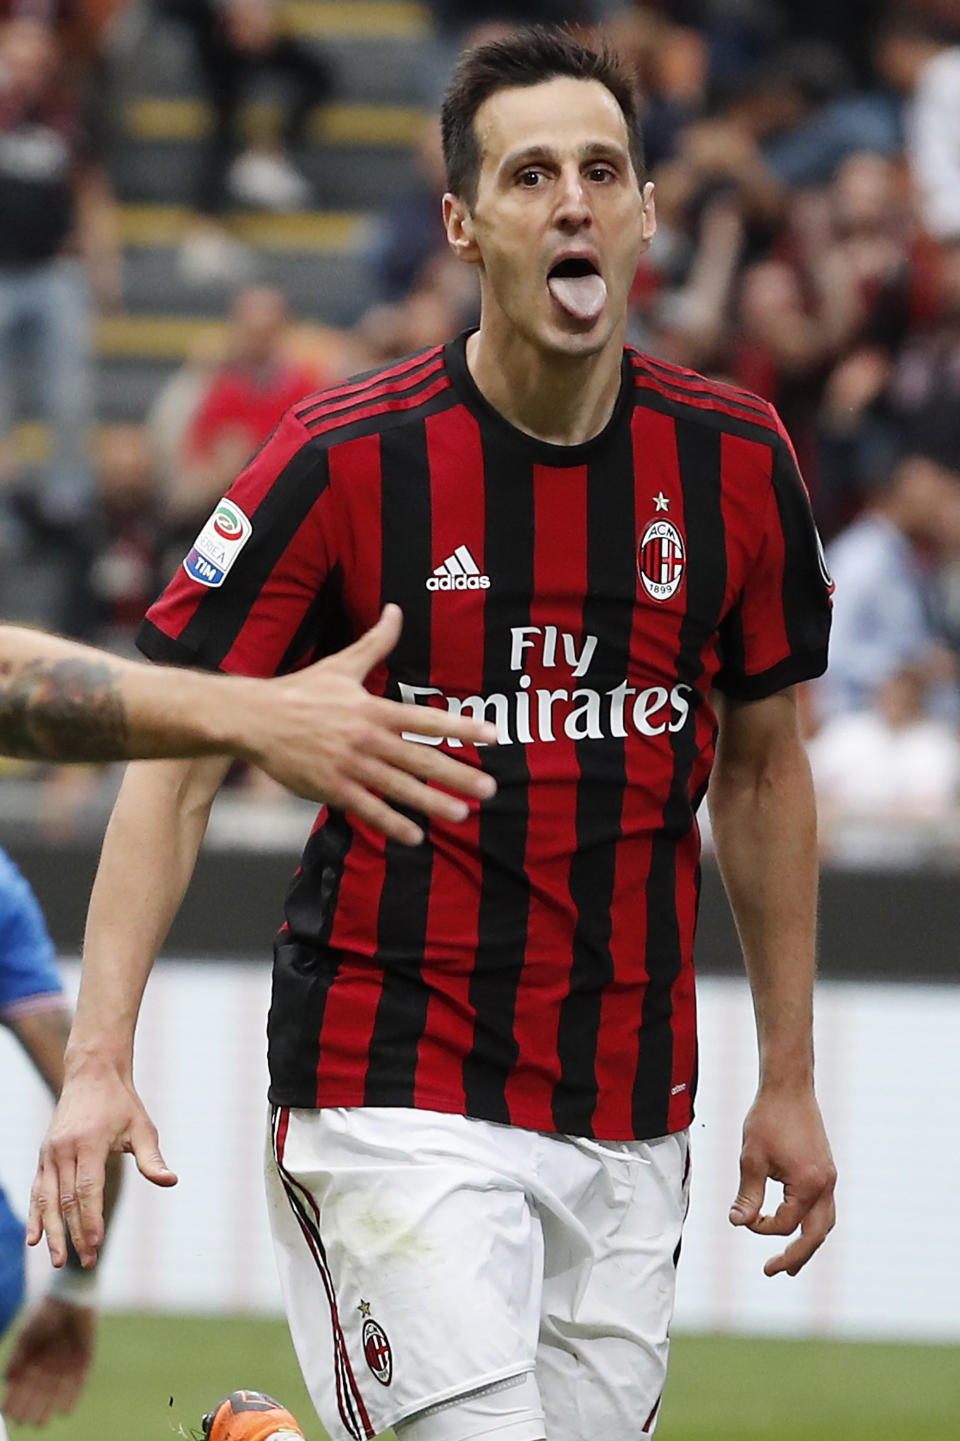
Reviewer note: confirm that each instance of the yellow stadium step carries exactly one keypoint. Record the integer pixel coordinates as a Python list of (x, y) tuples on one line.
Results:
[(324, 232), (31, 441), (127, 337), (151, 337), (174, 337), (163, 119), (359, 19)]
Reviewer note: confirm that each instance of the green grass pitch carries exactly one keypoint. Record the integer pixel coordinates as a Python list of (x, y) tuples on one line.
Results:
[(154, 1376)]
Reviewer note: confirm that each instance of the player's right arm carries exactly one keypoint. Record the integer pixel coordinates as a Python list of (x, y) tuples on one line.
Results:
[(319, 731), (149, 852)]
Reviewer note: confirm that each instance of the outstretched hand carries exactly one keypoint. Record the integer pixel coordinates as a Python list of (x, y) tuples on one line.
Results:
[(49, 1363), (98, 1113), (784, 1140), (326, 737)]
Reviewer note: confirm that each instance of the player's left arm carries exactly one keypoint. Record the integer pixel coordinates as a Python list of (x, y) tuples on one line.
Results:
[(764, 822), (54, 1348)]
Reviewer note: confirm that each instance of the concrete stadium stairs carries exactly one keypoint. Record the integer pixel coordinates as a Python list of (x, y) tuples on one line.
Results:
[(360, 155)]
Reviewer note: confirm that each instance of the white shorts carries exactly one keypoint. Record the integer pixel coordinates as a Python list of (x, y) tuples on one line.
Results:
[(458, 1278)]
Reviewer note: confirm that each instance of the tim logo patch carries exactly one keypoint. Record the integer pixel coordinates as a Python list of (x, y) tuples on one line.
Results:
[(218, 545), (376, 1350), (660, 559)]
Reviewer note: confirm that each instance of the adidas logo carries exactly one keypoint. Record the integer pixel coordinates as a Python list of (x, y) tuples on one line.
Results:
[(458, 572)]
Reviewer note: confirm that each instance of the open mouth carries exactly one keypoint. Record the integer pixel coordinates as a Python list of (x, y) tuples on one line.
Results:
[(578, 287), (573, 267)]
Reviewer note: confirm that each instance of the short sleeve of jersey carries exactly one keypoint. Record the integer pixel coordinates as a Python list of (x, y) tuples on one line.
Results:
[(777, 632), (244, 597), (28, 969)]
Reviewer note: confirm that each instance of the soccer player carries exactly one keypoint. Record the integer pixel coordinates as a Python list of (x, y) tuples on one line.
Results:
[(53, 1351), (482, 1051), (319, 733)]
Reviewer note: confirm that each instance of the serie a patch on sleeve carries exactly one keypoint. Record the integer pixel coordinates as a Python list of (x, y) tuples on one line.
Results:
[(217, 546)]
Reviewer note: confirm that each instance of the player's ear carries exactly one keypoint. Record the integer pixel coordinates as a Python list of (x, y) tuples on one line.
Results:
[(649, 213), (458, 223)]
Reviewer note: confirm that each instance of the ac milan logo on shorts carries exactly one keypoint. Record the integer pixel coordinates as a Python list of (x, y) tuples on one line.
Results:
[(376, 1349), (660, 558)]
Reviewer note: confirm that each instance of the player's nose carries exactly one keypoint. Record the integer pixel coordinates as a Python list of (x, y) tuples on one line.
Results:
[(572, 209)]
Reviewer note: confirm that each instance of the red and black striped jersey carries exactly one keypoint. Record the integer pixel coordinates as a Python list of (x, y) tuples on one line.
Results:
[(532, 965)]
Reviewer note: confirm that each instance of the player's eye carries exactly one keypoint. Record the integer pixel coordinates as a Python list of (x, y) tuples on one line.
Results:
[(600, 174), (530, 179)]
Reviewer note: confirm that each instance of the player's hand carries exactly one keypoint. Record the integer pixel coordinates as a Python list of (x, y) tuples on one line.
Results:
[(98, 1112), (326, 737), (49, 1363), (784, 1140)]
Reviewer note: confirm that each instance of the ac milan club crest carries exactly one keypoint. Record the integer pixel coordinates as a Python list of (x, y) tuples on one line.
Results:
[(376, 1350), (660, 559)]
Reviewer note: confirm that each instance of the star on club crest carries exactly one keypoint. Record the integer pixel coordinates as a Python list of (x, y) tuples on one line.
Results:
[(661, 501), (364, 1308)]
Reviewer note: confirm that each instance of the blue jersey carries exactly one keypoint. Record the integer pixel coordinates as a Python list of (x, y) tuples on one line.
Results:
[(29, 979)]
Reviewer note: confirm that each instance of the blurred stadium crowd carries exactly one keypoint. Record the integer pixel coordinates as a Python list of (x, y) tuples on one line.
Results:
[(211, 207)]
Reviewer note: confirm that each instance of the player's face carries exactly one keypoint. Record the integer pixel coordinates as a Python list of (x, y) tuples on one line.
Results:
[(559, 221)]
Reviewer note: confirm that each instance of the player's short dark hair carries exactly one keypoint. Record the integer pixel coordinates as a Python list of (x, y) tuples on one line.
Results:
[(529, 56)]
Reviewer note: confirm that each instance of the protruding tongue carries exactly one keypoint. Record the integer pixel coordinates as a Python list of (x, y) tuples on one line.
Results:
[(582, 296)]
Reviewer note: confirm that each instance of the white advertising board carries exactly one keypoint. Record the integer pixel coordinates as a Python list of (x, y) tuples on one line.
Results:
[(889, 1081)]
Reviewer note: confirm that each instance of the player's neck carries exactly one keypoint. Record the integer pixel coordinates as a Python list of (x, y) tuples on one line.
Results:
[(563, 400)]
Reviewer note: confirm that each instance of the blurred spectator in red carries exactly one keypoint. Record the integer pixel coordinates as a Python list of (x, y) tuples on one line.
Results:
[(80, 24), (845, 271), (784, 343), (244, 399), (83, 29), (860, 280), (732, 152), (58, 241), (854, 244), (115, 552), (924, 388)]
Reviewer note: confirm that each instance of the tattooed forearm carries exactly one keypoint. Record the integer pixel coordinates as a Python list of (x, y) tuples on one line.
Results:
[(65, 710)]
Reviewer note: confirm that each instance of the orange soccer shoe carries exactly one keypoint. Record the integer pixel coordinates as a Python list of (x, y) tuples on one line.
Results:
[(250, 1416)]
